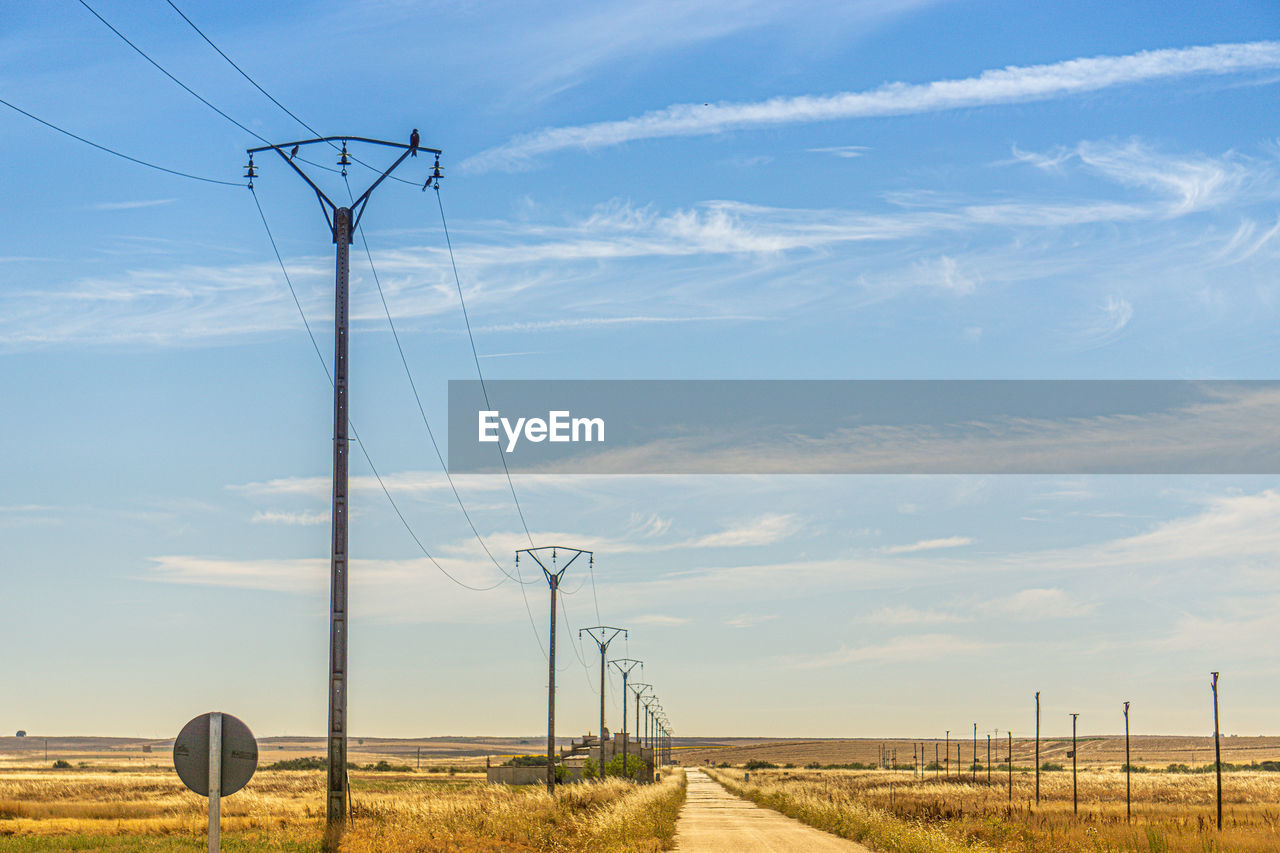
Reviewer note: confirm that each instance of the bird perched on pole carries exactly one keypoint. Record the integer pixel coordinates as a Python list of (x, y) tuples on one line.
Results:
[(293, 153), (413, 142)]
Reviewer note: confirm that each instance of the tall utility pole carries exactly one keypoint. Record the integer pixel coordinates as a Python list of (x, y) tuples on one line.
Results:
[(973, 767), (1217, 747), (624, 666), (1075, 800), (343, 222), (603, 635), (947, 753), (1037, 747), (639, 688), (649, 702), (553, 574), (1128, 770), (1010, 769)]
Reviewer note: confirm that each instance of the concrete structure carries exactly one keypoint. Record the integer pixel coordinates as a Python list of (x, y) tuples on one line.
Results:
[(572, 759), (589, 747), (506, 775)]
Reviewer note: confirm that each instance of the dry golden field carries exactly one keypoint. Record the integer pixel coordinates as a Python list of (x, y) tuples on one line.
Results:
[(1151, 750), (109, 808), (900, 812)]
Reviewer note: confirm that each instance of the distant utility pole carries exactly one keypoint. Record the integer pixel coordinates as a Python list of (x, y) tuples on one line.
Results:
[(1128, 770), (948, 753), (603, 635), (624, 666), (343, 222), (1010, 769), (1075, 800), (988, 759), (1037, 747), (973, 766), (1217, 747), (553, 574), (639, 688), (650, 702)]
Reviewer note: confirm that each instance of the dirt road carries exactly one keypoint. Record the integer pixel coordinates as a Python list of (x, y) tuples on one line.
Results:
[(713, 820)]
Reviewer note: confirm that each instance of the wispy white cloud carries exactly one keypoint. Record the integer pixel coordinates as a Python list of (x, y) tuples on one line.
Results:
[(659, 619), (1190, 182), (928, 545), (1038, 604), (996, 86), (304, 519), (723, 261), (910, 616), (750, 620), (919, 647), (846, 152), (131, 205), (763, 530), (1109, 320), (392, 590)]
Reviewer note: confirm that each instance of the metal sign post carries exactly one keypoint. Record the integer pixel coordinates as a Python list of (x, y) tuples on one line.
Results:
[(215, 755), (215, 782)]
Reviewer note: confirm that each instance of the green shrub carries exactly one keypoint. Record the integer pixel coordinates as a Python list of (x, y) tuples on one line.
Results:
[(635, 767), (309, 762), (61, 765), (1050, 767), (757, 764), (526, 761)]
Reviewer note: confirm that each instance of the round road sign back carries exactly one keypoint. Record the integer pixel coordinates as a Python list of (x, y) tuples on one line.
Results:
[(239, 755)]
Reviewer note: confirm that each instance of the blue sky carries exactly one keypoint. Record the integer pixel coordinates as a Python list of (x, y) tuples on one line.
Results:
[(871, 190)]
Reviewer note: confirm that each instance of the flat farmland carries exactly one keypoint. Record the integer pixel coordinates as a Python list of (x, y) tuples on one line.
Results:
[(147, 809), (902, 812), (1150, 750), (37, 751)]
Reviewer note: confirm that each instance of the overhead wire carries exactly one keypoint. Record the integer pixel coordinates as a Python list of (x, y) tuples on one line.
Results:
[(518, 578), (475, 355), (271, 97), (187, 88), (576, 646), (355, 433), (453, 264), (116, 153), (413, 386)]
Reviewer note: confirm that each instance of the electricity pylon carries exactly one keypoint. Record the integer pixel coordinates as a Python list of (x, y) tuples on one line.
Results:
[(624, 666), (650, 702), (343, 221), (638, 688), (603, 635), (541, 556)]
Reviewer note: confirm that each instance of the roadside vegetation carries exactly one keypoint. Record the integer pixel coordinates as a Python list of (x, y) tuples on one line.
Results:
[(284, 811), (899, 812)]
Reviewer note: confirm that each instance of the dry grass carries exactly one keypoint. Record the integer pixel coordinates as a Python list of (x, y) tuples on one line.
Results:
[(1173, 813), (1153, 750), (280, 810)]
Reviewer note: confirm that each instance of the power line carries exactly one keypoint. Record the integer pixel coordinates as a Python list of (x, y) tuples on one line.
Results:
[(243, 73), (269, 96), (476, 357), (315, 345), (439, 456), (184, 86), (162, 70), (418, 399), (116, 153)]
